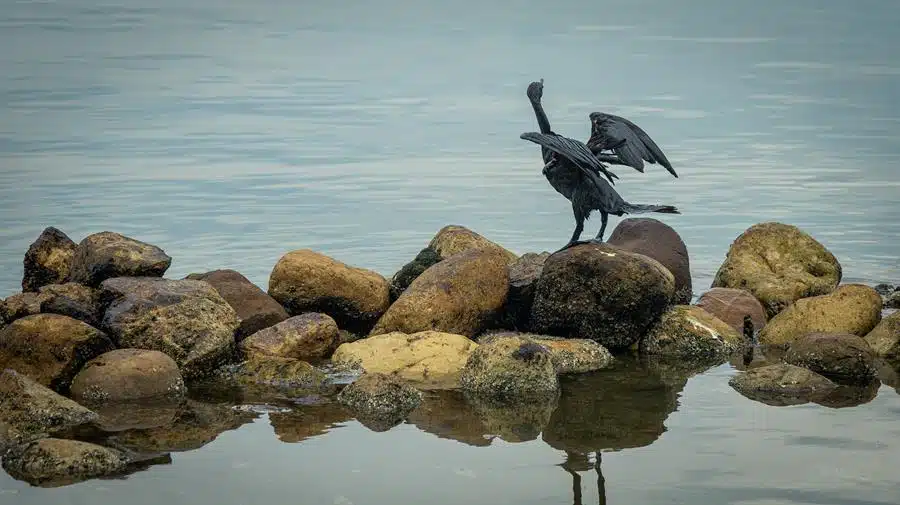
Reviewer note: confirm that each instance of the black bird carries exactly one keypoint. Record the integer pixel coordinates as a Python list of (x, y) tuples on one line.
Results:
[(630, 144)]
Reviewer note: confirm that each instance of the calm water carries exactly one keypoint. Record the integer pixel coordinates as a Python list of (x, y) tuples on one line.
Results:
[(231, 132)]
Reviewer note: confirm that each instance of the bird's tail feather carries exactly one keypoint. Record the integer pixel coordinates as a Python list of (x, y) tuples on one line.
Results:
[(638, 208)]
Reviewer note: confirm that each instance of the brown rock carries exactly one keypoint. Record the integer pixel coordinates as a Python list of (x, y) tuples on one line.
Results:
[(256, 309), (841, 357), (655, 239), (277, 372), (107, 254), (57, 461), (19, 305), (306, 281), (884, 339), (50, 348), (128, 374), (782, 384), (523, 276), (72, 299), (48, 260), (462, 294), (689, 332), (779, 264), (309, 336), (731, 305)]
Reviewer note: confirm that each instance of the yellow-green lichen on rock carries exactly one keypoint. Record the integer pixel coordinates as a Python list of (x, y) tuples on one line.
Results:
[(884, 339), (690, 332)]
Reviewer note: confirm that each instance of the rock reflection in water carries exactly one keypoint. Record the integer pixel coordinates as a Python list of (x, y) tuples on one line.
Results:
[(448, 415), (308, 420)]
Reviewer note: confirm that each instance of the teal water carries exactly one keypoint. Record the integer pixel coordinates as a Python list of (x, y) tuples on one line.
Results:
[(229, 133)]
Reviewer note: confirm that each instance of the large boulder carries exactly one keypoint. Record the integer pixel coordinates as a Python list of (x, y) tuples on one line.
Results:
[(105, 255), (128, 375), (602, 293), (841, 357), (884, 339), (48, 260), (307, 281), (430, 359), (462, 294), (691, 333), (779, 264), (523, 276), (448, 241), (310, 336), (851, 308), (55, 461), (50, 348), (186, 319), (651, 237), (72, 299), (510, 369), (732, 305), (256, 309)]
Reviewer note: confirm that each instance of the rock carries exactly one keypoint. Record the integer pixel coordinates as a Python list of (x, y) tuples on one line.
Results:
[(379, 400), (843, 358), (19, 305), (50, 348), (731, 305), (72, 299), (851, 308), (884, 339), (30, 410), (568, 355), (523, 276), (655, 239), (462, 294), (892, 301), (782, 384), (128, 374), (57, 461), (277, 372), (306, 281), (429, 359), (48, 260), (691, 333), (602, 293), (256, 309), (106, 255), (779, 264), (309, 336), (448, 241), (186, 319), (884, 289), (510, 369)]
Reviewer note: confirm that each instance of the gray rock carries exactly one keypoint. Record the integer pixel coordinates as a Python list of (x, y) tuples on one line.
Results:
[(72, 299), (380, 401), (844, 358), (54, 462), (107, 254), (782, 384)]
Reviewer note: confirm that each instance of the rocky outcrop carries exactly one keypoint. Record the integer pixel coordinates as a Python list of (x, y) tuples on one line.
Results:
[(105, 255), (128, 375), (782, 384), (54, 461), (72, 299), (779, 264), (255, 308), (523, 276), (655, 239), (851, 308), (691, 333), (510, 369), (841, 357), (732, 305), (310, 336), (884, 339), (602, 293), (306, 281), (462, 294), (568, 355), (48, 260), (380, 401)]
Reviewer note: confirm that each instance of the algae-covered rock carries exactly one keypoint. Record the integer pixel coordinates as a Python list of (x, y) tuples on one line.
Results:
[(105, 255), (782, 384), (48, 260), (380, 401), (689, 332), (841, 357), (568, 355), (74, 300), (255, 308), (127, 375), (884, 339), (510, 369), (276, 372), (309, 336), (19, 305), (56, 461)]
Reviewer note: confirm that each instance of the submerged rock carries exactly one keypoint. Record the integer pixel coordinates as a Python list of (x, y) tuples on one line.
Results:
[(56, 461), (306, 281), (108, 254), (655, 239), (779, 264), (462, 294), (851, 308), (732, 306), (50, 348), (128, 375), (841, 357), (884, 339), (277, 372), (48, 260), (510, 369), (74, 300), (255, 308), (380, 401), (309, 336), (782, 384), (568, 355), (601, 293), (689, 332), (523, 277)]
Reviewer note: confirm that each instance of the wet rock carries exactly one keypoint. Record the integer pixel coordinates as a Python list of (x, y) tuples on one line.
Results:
[(851, 308), (884, 289), (850, 395), (779, 264), (568, 355), (782, 385), (50, 348), (19, 305), (380, 401), (186, 319), (601, 293), (732, 305), (48, 260), (136, 415), (689, 332), (841, 357), (310, 336), (429, 359), (462, 294), (72, 299), (655, 239), (510, 369), (105, 255), (57, 461), (523, 276), (306, 281), (127, 375), (892, 301), (30, 410), (256, 309), (884, 339), (286, 374), (448, 241)]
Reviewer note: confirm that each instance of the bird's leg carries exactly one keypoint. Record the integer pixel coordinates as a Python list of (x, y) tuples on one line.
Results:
[(579, 228), (604, 217)]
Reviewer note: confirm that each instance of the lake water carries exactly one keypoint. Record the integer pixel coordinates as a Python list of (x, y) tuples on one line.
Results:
[(229, 133)]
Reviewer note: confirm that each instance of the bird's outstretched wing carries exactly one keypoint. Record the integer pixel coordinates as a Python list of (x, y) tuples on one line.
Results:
[(573, 150), (607, 130)]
